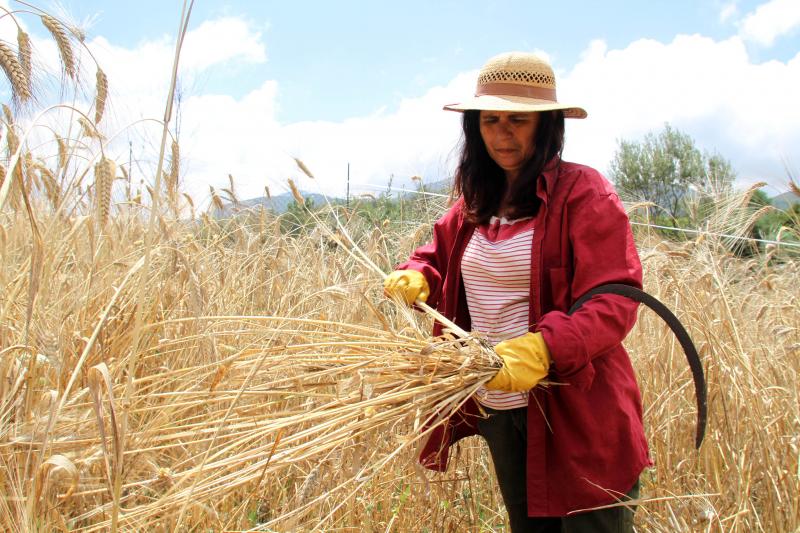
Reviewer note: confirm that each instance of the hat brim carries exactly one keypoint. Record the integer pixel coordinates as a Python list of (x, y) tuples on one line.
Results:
[(518, 104)]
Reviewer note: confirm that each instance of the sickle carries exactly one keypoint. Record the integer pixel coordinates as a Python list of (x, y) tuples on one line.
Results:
[(680, 332)]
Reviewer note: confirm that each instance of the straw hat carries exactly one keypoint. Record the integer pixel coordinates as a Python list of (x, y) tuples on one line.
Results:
[(516, 81)]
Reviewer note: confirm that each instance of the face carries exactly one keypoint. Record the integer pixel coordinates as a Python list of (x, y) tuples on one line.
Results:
[(509, 138)]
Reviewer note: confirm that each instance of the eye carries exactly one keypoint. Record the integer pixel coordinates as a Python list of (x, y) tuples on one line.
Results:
[(519, 119), (489, 119)]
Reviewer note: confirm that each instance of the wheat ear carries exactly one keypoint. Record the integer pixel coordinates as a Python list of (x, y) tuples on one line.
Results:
[(174, 168), (104, 172), (62, 151), (52, 189), (794, 187), (88, 129), (302, 166), (15, 73), (296, 193), (101, 90), (59, 33), (216, 201), (12, 140), (24, 53)]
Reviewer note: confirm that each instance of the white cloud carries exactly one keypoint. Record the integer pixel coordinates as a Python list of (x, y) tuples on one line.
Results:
[(243, 138), (139, 77), (139, 84), (222, 135), (770, 21), (710, 89), (220, 40)]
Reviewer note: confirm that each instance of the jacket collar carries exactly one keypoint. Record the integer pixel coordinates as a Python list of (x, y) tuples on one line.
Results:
[(546, 185)]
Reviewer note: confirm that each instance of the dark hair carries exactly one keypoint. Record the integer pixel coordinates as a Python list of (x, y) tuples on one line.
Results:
[(482, 183)]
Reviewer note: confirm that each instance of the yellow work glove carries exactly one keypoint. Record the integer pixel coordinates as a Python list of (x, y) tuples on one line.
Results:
[(408, 285), (526, 361)]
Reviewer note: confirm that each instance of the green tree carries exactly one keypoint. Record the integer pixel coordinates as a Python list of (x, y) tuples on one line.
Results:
[(298, 218), (772, 222), (667, 169)]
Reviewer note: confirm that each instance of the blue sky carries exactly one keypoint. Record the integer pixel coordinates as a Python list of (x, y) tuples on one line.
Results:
[(381, 52), (364, 82)]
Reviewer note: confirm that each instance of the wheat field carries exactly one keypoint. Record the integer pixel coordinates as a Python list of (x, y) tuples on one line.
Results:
[(257, 355), (162, 368)]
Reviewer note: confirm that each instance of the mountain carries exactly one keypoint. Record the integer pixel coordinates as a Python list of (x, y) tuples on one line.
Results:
[(434, 187), (785, 200), (278, 204), (440, 187)]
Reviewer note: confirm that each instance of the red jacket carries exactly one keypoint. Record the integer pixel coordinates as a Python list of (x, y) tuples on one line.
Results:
[(586, 442)]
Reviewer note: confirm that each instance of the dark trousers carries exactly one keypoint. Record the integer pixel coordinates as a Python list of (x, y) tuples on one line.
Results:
[(506, 434)]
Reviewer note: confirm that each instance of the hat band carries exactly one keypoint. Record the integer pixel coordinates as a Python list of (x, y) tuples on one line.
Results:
[(512, 89)]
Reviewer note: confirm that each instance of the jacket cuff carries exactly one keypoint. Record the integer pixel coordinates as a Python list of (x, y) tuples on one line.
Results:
[(432, 276), (569, 357)]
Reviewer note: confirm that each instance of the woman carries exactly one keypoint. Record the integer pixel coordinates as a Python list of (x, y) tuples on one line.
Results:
[(529, 234)]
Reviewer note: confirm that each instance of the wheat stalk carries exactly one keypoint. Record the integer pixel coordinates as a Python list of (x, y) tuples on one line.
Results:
[(61, 37)]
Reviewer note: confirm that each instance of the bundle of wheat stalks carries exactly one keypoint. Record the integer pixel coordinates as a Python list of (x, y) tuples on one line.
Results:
[(284, 392)]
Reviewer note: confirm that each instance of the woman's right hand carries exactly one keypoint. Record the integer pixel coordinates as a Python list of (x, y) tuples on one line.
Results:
[(526, 361), (407, 285)]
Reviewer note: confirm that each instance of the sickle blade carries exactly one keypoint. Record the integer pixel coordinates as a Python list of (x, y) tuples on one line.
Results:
[(680, 332)]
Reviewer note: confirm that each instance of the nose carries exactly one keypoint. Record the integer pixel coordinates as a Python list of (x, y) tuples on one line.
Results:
[(504, 128)]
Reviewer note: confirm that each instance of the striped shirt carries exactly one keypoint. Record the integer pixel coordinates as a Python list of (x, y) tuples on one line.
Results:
[(496, 269)]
